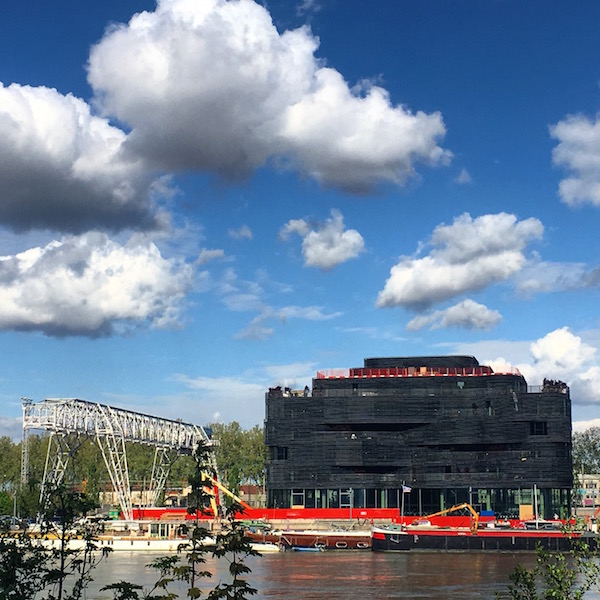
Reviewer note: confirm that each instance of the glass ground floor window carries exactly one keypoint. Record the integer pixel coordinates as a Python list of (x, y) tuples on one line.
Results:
[(503, 502)]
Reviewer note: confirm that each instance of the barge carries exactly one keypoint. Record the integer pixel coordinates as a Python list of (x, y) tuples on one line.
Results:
[(318, 539), (396, 538)]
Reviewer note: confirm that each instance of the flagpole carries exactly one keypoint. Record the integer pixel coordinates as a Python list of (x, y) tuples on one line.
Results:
[(402, 505)]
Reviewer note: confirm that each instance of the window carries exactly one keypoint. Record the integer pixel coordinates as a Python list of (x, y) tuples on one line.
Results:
[(278, 453), (298, 497), (333, 499), (320, 499), (370, 500), (538, 428), (346, 498)]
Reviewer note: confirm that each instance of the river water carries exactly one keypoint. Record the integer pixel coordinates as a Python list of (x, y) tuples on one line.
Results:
[(346, 574)]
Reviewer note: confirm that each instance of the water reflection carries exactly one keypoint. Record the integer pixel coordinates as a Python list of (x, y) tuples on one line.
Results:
[(346, 574)]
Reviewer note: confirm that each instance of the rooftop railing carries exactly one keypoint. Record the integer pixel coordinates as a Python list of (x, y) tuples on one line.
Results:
[(366, 373)]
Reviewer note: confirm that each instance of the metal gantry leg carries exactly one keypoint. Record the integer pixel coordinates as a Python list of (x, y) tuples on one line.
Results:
[(163, 461), (115, 458), (25, 457), (60, 450)]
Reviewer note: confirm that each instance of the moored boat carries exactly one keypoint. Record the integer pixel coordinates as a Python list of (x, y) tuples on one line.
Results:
[(146, 544), (397, 538), (316, 538)]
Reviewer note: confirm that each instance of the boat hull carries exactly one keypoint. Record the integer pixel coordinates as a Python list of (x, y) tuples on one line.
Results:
[(387, 540), (316, 539)]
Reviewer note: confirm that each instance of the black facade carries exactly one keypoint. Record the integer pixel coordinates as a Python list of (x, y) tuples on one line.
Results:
[(444, 429)]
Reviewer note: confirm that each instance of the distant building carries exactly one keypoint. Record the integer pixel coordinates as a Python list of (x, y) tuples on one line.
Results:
[(440, 430), (589, 492), (253, 495), (587, 499), (138, 497)]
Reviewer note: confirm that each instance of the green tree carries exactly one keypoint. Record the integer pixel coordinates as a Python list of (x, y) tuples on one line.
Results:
[(28, 500), (558, 575), (181, 470), (198, 501), (6, 503), (140, 460), (22, 566), (10, 464), (240, 455), (70, 566), (37, 450), (62, 572), (234, 546), (586, 458), (586, 451), (256, 455), (87, 469), (171, 568), (231, 544), (229, 454), (29, 494)]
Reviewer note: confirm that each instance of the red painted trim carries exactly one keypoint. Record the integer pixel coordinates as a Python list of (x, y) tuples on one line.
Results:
[(294, 514)]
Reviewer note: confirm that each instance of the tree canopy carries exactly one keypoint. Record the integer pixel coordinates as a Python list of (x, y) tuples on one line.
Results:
[(241, 454), (586, 451)]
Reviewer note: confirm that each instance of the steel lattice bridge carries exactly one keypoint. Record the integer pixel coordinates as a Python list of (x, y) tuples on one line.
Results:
[(71, 421)]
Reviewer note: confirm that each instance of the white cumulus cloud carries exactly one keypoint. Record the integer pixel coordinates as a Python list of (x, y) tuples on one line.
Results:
[(213, 85), (90, 285), (207, 255), (63, 168), (329, 244), (562, 355), (466, 256), (258, 328), (565, 356), (242, 233), (353, 142), (466, 315), (463, 177), (578, 151), (540, 276)]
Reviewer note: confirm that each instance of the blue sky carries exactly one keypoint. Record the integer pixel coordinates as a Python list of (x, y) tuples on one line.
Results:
[(200, 199)]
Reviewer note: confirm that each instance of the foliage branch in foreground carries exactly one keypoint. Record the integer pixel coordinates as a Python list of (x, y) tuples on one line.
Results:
[(557, 575), (230, 544)]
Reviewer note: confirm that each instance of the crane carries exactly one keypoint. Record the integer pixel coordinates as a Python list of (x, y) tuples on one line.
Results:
[(208, 478), (456, 508)]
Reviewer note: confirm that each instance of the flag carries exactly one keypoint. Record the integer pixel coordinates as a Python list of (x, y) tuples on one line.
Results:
[(406, 489)]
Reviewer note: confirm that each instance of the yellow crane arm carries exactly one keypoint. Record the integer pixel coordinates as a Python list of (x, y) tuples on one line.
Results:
[(207, 477), (456, 508)]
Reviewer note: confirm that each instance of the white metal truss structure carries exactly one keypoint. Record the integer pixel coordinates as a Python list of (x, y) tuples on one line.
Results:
[(70, 421), (163, 460)]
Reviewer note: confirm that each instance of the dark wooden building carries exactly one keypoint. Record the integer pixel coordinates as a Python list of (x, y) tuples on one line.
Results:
[(444, 429)]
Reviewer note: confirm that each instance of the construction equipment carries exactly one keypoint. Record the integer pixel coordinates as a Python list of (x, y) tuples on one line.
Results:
[(70, 421), (456, 508), (214, 495)]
